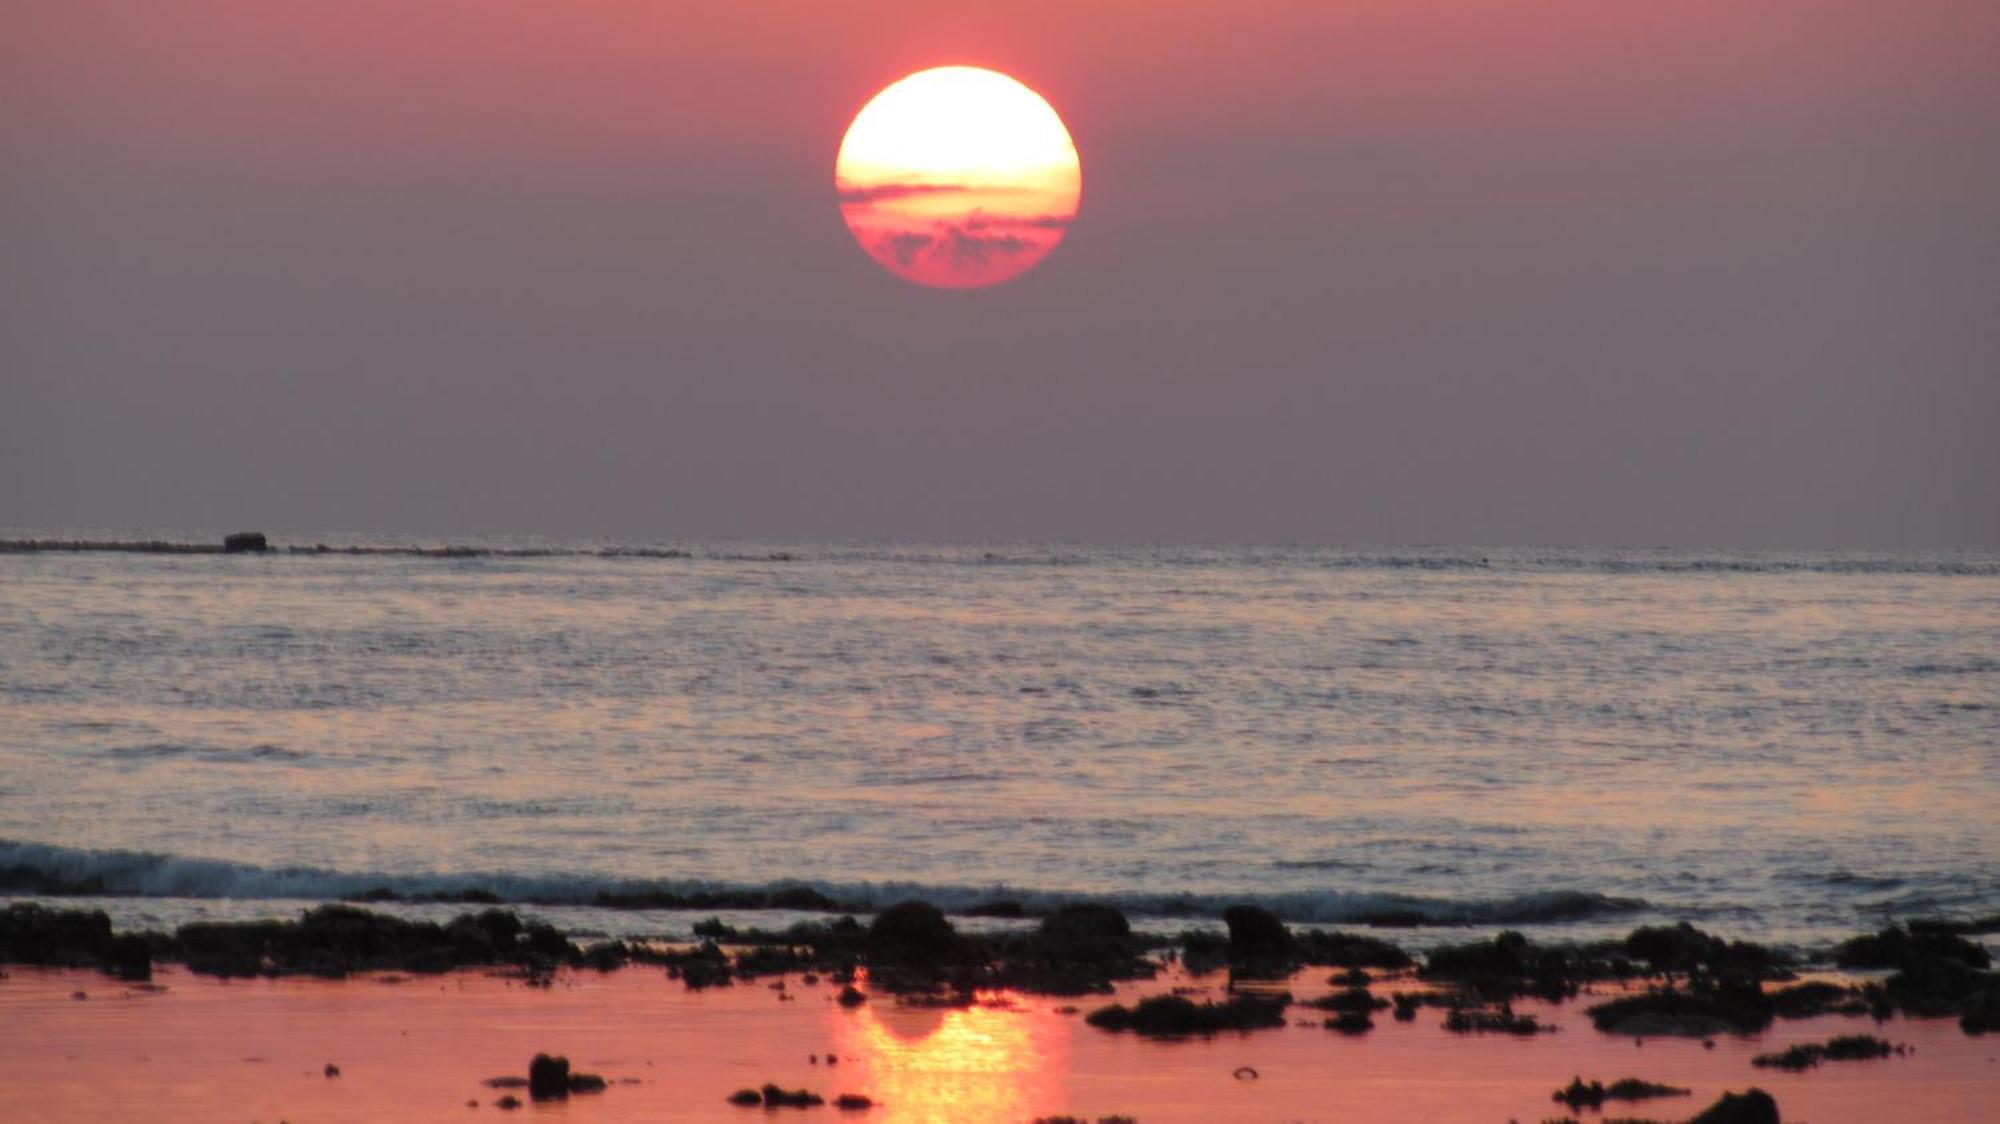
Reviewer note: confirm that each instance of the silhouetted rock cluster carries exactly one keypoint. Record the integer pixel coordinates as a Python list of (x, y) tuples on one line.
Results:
[(334, 940), (1704, 985)]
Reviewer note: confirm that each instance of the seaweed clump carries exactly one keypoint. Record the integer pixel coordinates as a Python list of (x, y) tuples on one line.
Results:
[(1937, 972), (1261, 946), (1579, 1094), (334, 940), (1511, 965), (1499, 1019), (1079, 949), (1703, 1008), (1176, 1016), (1845, 1048), (31, 933), (1751, 1106)]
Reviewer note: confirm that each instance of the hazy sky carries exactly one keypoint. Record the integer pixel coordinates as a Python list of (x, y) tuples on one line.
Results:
[(1604, 271)]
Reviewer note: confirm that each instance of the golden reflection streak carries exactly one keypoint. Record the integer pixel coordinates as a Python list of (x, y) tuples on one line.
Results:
[(987, 1062)]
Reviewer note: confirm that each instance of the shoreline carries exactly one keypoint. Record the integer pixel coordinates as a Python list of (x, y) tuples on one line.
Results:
[(935, 1023)]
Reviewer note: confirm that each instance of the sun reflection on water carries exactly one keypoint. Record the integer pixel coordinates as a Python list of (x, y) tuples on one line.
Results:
[(989, 1061)]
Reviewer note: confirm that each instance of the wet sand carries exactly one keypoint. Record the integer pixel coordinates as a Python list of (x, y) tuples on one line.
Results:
[(410, 1048)]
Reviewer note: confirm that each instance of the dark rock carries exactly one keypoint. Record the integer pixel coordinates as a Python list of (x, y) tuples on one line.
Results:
[(851, 996), (852, 1102), (747, 1098), (916, 934), (1752, 1106), (586, 1083), (548, 1078), (332, 1070), (244, 541), (1255, 933), (1086, 932), (510, 1101)]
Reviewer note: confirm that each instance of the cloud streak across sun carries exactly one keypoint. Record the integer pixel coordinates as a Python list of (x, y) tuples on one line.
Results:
[(958, 177)]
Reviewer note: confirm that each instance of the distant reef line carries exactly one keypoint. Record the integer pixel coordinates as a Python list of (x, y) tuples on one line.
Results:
[(250, 542)]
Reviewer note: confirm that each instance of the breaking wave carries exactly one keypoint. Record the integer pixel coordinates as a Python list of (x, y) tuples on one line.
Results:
[(43, 869)]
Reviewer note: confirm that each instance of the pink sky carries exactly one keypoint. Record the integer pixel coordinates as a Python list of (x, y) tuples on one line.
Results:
[(1577, 271)]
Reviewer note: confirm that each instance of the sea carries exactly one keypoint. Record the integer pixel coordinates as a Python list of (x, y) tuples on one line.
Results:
[(1789, 746)]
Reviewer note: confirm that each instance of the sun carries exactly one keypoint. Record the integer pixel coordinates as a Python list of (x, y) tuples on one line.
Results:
[(958, 177)]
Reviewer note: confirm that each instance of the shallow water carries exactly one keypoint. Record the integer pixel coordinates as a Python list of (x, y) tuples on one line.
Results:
[(420, 1049), (1789, 744)]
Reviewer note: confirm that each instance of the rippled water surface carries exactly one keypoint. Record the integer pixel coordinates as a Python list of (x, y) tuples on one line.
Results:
[(1793, 742)]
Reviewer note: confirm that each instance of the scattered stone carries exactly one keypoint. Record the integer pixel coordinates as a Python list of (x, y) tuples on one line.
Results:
[(852, 1102), (509, 1101), (332, 1070), (851, 996), (747, 1098), (548, 1078), (1245, 1073)]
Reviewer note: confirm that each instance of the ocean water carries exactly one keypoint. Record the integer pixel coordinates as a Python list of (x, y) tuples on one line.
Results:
[(1793, 746)]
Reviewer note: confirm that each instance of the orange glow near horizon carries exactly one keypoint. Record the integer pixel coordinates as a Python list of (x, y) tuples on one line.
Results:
[(958, 177)]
